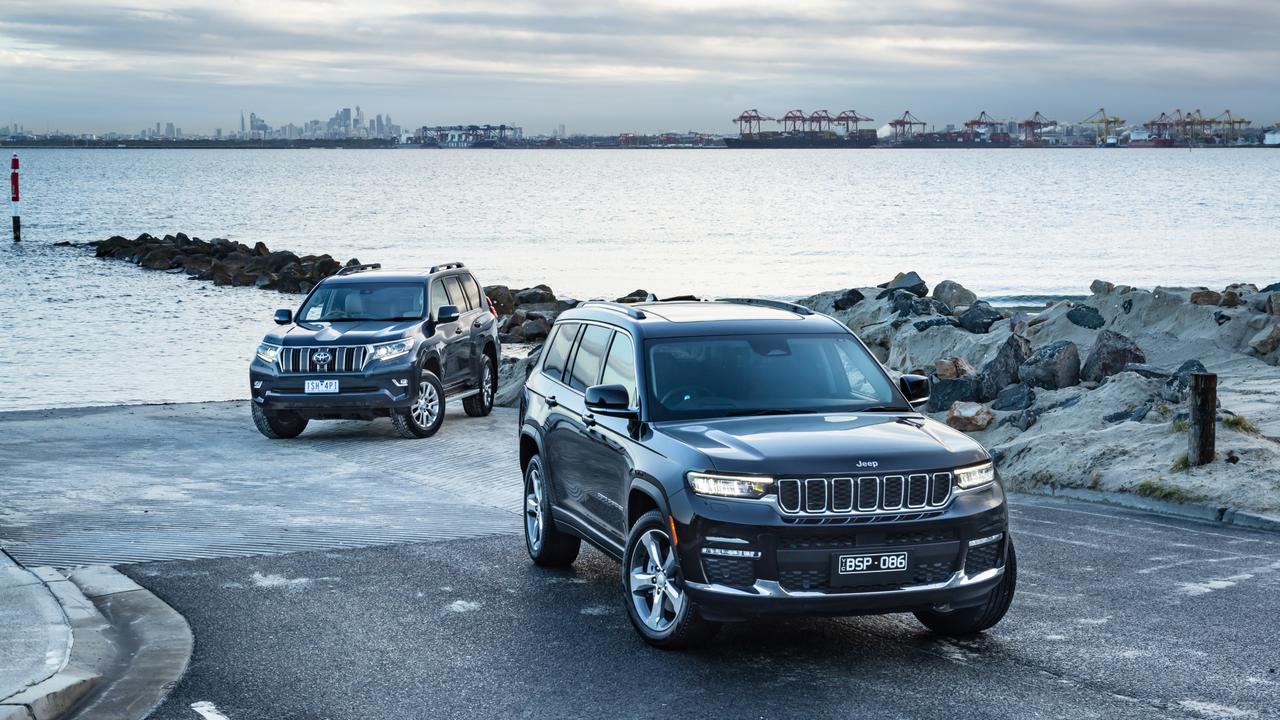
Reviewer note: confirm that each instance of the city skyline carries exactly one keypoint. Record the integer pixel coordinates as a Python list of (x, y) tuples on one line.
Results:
[(649, 65)]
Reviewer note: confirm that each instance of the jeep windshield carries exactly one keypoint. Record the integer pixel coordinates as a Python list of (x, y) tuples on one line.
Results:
[(742, 375), (356, 301)]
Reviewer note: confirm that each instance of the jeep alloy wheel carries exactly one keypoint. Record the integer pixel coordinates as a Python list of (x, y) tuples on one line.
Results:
[(655, 587)]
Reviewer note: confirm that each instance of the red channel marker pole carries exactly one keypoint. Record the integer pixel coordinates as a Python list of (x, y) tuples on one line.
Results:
[(13, 198)]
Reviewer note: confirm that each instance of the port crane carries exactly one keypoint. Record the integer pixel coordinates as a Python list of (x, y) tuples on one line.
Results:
[(819, 121), (749, 122), (1162, 127), (904, 128), (1106, 123), (850, 120), (975, 126), (1032, 128), (1230, 125), (794, 121), (1191, 126)]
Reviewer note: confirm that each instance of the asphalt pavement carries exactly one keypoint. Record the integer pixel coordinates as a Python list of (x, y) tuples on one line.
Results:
[(1119, 615)]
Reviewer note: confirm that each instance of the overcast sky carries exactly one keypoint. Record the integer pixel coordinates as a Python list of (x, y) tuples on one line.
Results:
[(633, 65)]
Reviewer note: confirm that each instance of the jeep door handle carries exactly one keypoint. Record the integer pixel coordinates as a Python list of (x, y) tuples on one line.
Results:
[(551, 401), (589, 420)]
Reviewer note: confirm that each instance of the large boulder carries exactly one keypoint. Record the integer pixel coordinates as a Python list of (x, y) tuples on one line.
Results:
[(1178, 386), (945, 393), (536, 294), (910, 281), (1085, 316), (1267, 340), (1271, 305), (979, 317), (1111, 351), (1101, 287), (851, 297), (952, 368), (1014, 397), (954, 294), (1002, 370), (1205, 296), (970, 416), (504, 301), (1054, 366)]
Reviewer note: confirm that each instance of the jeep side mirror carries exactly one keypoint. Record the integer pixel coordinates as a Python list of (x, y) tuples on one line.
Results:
[(448, 314), (610, 400), (916, 388), (284, 316)]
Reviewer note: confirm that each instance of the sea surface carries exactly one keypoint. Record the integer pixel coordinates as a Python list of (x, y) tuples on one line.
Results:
[(1014, 225)]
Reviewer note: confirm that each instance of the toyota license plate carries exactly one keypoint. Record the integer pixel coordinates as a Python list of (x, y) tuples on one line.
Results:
[(871, 563), (320, 386)]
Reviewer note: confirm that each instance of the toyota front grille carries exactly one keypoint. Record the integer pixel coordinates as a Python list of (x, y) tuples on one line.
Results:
[(864, 494), (323, 359)]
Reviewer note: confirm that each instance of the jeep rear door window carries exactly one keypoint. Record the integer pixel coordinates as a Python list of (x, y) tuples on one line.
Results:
[(589, 358), (355, 301), (455, 293), (557, 349), (472, 289), (620, 366), (702, 377)]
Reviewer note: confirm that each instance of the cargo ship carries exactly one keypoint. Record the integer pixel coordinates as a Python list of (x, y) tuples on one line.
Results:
[(955, 140), (1145, 138), (859, 139)]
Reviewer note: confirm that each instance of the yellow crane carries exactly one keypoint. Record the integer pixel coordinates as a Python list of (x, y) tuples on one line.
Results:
[(1107, 124), (1230, 125)]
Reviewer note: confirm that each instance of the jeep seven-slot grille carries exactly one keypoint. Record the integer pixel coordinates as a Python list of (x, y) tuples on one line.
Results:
[(866, 494), (323, 359)]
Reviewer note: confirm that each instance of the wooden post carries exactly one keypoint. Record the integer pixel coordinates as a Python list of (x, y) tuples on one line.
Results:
[(13, 198), (1203, 406)]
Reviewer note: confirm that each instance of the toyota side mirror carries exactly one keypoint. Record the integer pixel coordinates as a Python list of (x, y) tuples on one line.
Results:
[(610, 400), (284, 316), (448, 314), (916, 388)]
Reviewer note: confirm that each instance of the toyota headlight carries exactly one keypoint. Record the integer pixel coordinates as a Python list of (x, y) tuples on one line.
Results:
[(734, 486), (390, 350), (269, 353), (975, 476)]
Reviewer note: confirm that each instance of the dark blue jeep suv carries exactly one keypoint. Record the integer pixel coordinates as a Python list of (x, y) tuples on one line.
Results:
[(370, 343), (747, 457)]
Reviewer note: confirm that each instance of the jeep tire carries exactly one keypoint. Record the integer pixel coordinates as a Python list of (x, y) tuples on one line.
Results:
[(547, 546), (481, 403), (657, 602), (425, 414), (278, 425), (971, 621)]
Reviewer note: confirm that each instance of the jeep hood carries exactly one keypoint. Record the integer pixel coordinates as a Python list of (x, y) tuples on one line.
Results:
[(359, 332), (870, 443)]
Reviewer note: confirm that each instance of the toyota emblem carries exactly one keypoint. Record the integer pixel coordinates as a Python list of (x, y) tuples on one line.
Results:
[(322, 357)]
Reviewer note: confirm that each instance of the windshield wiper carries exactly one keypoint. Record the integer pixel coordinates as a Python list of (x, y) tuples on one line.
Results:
[(766, 411), (882, 408)]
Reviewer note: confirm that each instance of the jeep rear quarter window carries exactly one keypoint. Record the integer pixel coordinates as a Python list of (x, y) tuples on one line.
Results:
[(620, 366), (472, 290), (558, 350), (589, 358)]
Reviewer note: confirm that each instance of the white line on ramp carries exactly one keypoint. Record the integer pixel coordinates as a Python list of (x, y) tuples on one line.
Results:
[(208, 710)]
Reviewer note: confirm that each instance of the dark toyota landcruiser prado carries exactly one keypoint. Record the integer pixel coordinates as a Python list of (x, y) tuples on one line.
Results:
[(749, 457), (370, 343)]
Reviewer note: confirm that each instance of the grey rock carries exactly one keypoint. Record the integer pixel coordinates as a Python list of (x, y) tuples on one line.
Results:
[(954, 294), (939, 321), (1111, 351), (635, 296), (1177, 387), (1221, 318), (1101, 287), (536, 294), (1273, 287), (504, 301), (979, 318), (1014, 397), (1054, 366), (1023, 419), (851, 297), (944, 393), (1002, 370), (1019, 322), (1147, 371), (911, 282), (1086, 316), (1127, 306)]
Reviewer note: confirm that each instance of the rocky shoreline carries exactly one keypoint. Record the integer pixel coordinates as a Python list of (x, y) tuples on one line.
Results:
[(1084, 393)]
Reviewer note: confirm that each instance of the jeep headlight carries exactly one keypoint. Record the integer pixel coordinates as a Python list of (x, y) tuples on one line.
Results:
[(390, 350), (975, 476), (269, 353), (734, 486)]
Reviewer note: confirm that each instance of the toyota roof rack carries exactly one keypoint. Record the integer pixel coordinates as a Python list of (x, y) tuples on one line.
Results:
[(775, 304), (447, 266), (631, 312), (351, 269)]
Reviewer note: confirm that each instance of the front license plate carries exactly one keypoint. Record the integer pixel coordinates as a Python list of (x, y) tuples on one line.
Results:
[(320, 386), (871, 563)]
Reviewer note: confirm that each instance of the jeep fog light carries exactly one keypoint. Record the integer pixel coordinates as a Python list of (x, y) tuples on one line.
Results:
[(975, 477), (257, 384), (733, 486)]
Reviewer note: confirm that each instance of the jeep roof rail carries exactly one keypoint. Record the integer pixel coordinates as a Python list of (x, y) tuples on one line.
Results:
[(775, 304), (350, 269), (616, 307), (447, 266)]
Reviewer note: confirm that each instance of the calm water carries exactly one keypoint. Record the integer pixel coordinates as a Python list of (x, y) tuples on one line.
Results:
[(1005, 223)]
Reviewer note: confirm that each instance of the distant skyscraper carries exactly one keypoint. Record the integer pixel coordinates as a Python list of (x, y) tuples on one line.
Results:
[(241, 122), (169, 131), (157, 128)]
